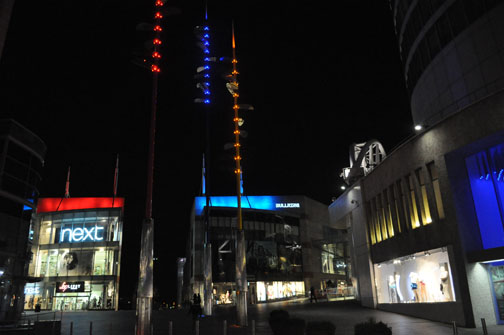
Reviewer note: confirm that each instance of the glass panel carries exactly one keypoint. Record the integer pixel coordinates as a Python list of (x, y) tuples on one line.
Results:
[(423, 277), (426, 216), (415, 221)]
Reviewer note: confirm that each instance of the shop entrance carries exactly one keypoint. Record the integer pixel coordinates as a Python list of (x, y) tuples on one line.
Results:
[(71, 303), (497, 278)]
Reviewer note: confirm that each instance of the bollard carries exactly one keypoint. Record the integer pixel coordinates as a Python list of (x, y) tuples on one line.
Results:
[(224, 332), (110, 329), (54, 316), (90, 327), (37, 317), (455, 330), (197, 327), (253, 327), (170, 328), (483, 325), (152, 328), (71, 328)]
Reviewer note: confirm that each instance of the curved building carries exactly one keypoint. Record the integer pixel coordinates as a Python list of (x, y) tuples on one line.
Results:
[(428, 222), (452, 52)]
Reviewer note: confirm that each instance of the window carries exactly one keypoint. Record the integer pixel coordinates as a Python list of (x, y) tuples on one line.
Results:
[(396, 201), (426, 215), (401, 188), (376, 222), (387, 213), (371, 224), (415, 221), (437, 190)]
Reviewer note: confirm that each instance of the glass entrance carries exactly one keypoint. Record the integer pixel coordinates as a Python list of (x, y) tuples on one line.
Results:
[(71, 303)]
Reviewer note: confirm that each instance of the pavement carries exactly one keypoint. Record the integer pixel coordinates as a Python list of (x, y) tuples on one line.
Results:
[(343, 314)]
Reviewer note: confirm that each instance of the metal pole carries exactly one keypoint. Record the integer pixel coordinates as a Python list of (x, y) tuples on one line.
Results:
[(224, 328), (90, 327), (483, 325), (455, 330), (197, 327), (253, 327), (71, 328), (170, 328), (145, 280), (241, 261)]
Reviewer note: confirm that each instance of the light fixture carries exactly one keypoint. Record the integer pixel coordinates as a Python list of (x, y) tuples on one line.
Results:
[(343, 187), (418, 127)]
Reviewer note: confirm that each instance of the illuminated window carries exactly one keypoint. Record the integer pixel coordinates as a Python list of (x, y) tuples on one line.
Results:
[(426, 215), (401, 188), (380, 214), (395, 202), (437, 190), (375, 222), (415, 220), (371, 225), (388, 213)]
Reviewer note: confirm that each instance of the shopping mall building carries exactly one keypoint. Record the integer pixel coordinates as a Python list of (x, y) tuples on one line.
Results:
[(290, 245), (428, 221), (76, 254)]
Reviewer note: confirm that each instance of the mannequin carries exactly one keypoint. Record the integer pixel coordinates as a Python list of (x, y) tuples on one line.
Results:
[(414, 285)]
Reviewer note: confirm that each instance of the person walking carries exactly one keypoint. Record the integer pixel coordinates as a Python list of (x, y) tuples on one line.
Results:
[(312, 294)]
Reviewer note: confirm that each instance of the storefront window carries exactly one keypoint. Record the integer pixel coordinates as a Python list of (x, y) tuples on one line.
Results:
[(497, 278), (279, 290), (333, 258), (418, 278)]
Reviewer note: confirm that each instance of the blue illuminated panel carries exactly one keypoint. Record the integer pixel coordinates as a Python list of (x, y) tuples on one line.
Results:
[(263, 202), (487, 186)]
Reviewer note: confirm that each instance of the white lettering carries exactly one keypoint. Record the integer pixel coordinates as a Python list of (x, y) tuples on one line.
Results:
[(88, 234), (62, 235), (82, 234), (96, 234), (288, 205), (77, 234), (32, 290)]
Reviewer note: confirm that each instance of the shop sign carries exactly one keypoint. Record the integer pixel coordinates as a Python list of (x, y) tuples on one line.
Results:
[(81, 234), (32, 290), (287, 205), (63, 287)]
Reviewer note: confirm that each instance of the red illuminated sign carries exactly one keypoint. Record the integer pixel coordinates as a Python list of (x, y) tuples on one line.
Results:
[(69, 204)]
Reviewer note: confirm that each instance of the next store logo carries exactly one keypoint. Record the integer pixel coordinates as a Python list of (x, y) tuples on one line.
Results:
[(81, 234)]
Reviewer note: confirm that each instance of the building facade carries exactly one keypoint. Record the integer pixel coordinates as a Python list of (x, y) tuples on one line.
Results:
[(21, 160), (291, 247), (427, 222), (76, 254)]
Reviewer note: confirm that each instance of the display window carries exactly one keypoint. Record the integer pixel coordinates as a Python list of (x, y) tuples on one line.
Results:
[(75, 262), (419, 278), (497, 279), (278, 290)]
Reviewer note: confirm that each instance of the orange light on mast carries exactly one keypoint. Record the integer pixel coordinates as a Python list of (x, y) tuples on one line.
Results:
[(155, 68), (156, 41), (159, 3), (158, 15), (158, 28), (156, 54)]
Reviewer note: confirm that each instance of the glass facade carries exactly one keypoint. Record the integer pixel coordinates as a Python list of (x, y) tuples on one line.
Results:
[(279, 290), (419, 278), (486, 176), (77, 256)]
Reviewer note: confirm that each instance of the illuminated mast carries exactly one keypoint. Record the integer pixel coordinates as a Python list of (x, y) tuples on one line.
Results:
[(146, 268), (241, 261), (203, 74)]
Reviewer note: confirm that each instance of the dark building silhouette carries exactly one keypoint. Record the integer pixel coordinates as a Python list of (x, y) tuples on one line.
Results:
[(21, 159)]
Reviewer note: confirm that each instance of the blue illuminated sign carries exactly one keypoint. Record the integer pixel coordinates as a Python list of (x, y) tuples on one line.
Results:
[(81, 234), (263, 202)]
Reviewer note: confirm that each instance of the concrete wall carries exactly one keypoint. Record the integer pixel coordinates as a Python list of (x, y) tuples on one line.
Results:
[(349, 205), (481, 293)]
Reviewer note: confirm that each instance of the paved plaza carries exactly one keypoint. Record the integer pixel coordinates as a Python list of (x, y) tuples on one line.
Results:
[(344, 315)]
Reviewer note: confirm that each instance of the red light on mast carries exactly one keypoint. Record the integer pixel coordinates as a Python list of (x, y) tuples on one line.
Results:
[(158, 15), (156, 54), (159, 3), (156, 41), (158, 28), (155, 68)]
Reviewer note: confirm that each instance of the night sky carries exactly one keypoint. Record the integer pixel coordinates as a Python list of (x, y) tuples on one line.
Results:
[(320, 77)]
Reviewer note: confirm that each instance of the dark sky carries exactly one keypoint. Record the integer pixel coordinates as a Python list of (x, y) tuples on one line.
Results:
[(320, 77)]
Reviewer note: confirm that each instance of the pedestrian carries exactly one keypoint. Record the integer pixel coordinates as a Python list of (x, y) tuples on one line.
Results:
[(312, 294)]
